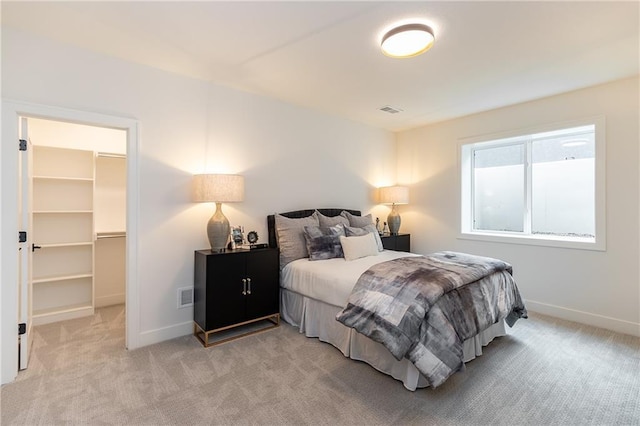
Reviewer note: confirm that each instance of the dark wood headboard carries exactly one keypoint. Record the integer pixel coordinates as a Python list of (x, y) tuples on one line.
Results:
[(271, 219)]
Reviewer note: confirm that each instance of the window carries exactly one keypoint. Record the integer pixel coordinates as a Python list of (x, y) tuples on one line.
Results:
[(543, 187)]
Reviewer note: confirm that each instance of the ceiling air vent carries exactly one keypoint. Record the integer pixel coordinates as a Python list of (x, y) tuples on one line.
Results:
[(390, 109)]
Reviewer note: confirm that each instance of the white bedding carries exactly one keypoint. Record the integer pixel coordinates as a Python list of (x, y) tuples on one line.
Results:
[(331, 280)]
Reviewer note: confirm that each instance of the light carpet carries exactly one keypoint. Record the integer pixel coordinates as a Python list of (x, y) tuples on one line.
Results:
[(545, 372)]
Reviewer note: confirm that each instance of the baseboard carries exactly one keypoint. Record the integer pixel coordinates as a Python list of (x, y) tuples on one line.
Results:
[(41, 319), (620, 326), (166, 333), (613, 324), (114, 299)]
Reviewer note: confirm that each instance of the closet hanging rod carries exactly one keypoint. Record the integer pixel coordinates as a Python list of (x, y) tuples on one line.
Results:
[(100, 236), (111, 155)]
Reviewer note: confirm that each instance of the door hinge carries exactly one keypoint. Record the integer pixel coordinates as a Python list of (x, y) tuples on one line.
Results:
[(23, 145), (22, 236), (22, 329)]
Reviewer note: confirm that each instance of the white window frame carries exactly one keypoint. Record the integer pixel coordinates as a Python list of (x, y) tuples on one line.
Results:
[(465, 168)]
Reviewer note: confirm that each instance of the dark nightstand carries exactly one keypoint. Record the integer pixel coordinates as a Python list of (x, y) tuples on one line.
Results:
[(235, 292), (399, 242)]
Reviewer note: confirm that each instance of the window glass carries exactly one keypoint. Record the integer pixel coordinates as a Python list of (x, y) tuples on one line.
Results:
[(499, 188), (562, 186)]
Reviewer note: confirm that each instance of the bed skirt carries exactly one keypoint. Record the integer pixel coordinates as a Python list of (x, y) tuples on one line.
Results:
[(317, 319)]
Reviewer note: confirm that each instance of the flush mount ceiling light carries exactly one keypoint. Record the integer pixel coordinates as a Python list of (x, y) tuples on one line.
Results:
[(407, 40)]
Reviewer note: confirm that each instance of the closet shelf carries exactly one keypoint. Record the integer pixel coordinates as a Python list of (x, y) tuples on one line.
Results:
[(111, 234), (63, 227), (57, 278), (62, 211), (111, 155), (62, 178)]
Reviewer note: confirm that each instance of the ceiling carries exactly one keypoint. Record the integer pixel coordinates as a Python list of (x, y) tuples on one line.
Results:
[(325, 55)]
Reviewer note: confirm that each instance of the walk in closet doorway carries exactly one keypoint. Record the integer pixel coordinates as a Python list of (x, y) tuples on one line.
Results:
[(79, 192), (16, 271)]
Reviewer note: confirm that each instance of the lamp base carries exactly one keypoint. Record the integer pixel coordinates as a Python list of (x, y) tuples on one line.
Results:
[(218, 230), (394, 221)]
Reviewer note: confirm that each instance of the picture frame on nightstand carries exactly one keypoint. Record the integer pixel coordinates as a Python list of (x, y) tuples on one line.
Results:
[(237, 235)]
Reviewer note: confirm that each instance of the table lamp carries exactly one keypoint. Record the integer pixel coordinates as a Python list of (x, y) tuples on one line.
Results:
[(394, 195), (218, 188)]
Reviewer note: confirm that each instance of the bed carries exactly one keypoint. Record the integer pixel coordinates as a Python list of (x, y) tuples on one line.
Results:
[(314, 293)]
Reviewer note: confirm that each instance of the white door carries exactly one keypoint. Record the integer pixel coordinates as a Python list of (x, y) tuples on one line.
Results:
[(25, 255)]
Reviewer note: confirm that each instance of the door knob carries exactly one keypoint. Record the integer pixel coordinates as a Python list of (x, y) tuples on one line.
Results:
[(35, 247)]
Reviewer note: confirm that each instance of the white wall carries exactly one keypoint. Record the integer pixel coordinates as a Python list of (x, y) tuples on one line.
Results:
[(109, 272), (291, 157), (600, 288), (110, 194)]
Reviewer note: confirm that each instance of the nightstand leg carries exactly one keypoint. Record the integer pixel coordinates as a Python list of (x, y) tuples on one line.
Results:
[(203, 336)]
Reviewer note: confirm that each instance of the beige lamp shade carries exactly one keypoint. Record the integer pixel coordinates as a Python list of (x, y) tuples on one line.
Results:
[(394, 195), (218, 188)]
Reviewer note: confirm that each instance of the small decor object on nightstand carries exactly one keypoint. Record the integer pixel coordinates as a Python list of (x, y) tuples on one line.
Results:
[(252, 237), (237, 235)]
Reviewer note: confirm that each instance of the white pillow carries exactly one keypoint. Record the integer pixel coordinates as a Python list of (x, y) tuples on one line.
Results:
[(352, 231), (357, 247)]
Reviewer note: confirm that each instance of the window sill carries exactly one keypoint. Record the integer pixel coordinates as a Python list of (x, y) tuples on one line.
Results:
[(533, 240)]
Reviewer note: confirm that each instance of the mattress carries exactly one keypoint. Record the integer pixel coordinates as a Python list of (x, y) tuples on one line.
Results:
[(330, 280)]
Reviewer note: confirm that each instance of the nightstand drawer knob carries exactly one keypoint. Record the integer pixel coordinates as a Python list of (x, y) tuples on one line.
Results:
[(249, 282), (244, 287)]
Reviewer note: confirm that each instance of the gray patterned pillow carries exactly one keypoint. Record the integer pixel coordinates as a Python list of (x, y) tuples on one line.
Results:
[(324, 242), (353, 231), (290, 233), (357, 221), (327, 221)]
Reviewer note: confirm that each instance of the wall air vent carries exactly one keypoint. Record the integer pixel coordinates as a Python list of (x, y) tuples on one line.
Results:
[(390, 109), (185, 297)]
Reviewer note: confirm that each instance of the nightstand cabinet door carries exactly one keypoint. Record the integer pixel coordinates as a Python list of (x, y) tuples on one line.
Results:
[(263, 271), (225, 301), (400, 242)]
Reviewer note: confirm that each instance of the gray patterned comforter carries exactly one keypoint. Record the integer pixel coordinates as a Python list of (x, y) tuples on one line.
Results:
[(423, 308)]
